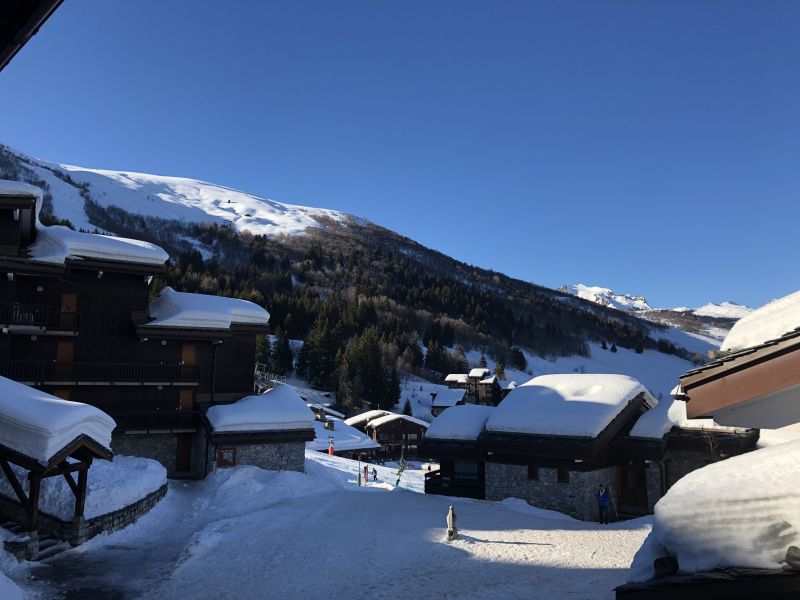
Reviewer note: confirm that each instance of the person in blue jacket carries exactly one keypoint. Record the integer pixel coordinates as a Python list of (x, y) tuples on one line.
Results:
[(603, 497)]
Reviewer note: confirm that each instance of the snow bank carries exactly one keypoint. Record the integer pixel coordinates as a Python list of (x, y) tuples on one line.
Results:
[(111, 486), (181, 309), (344, 437), (365, 417), (465, 422), (9, 590), (774, 437), (279, 408), (658, 421), (56, 243), (394, 417), (769, 322), (448, 397), (570, 404), (741, 512), (39, 425)]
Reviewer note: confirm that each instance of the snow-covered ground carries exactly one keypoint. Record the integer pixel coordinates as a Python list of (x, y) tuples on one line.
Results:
[(249, 533)]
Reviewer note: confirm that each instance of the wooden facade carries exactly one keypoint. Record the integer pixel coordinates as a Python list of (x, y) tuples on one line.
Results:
[(79, 330), (398, 438)]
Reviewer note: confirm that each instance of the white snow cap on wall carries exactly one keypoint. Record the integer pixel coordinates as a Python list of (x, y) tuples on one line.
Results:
[(570, 404), (57, 243), (20, 188), (39, 425), (740, 512), (181, 309), (769, 322), (280, 408), (464, 422)]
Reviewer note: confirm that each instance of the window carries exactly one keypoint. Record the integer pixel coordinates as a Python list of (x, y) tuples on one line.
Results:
[(533, 473), (465, 469), (226, 457), (562, 475)]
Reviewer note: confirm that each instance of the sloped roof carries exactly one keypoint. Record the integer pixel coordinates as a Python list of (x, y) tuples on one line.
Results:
[(277, 409), (394, 417), (448, 397), (185, 310)]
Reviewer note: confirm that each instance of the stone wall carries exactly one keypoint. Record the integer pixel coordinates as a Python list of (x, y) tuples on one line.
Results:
[(575, 498), (158, 446), (77, 531), (284, 456)]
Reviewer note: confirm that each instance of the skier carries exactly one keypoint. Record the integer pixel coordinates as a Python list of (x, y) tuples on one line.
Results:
[(452, 531), (603, 497), (374, 474)]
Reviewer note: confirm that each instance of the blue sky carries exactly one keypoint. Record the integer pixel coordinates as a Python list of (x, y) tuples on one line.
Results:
[(649, 147)]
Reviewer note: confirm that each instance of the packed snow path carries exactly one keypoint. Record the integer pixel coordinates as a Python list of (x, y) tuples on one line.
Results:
[(258, 534)]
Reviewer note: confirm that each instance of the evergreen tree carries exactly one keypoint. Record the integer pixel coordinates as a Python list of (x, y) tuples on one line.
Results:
[(482, 362), (263, 350), (500, 370), (613, 347), (518, 360), (281, 360), (603, 345), (407, 408)]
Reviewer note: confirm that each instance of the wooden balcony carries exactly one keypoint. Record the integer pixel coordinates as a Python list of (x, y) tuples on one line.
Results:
[(162, 420), (37, 318), (435, 483), (50, 372)]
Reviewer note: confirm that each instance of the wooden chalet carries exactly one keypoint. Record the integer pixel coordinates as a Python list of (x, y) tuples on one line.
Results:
[(756, 383), (546, 453), (444, 399), (77, 321), (397, 434)]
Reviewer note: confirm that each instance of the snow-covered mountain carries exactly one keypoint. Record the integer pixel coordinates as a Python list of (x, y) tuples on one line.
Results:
[(178, 198), (724, 310), (606, 297)]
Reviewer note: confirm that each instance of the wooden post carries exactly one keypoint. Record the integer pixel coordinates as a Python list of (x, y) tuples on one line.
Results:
[(80, 497), (34, 482)]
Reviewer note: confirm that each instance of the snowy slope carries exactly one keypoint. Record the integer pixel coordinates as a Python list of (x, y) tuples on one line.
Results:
[(179, 198), (249, 533), (606, 297), (724, 310)]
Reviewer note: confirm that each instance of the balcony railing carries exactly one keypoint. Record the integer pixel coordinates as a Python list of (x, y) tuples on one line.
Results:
[(157, 420), (435, 483), (37, 316), (40, 372)]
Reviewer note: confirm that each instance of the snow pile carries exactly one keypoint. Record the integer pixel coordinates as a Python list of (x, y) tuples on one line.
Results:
[(658, 421), (741, 512), (57, 243), (19, 188), (464, 422), (112, 485), (570, 404), (181, 309), (448, 397), (606, 297), (279, 408), (39, 425), (345, 438), (394, 417), (774, 437), (365, 417), (725, 310), (769, 322)]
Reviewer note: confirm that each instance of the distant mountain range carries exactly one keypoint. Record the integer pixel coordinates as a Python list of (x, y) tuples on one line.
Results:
[(293, 259), (713, 320)]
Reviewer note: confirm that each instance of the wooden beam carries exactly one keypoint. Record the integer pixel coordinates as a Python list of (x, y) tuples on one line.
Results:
[(71, 482), (80, 496), (65, 467), (34, 484), (12, 479)]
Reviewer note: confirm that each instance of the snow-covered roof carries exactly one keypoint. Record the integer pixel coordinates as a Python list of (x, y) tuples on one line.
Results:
[(20, 188), (456, 378), (448, 397), (345, 437), (464, 422), (570, 404), (479, 373), (366, 417), (324, 409), (658, 421), (739, 512), (510, 385), (181, 309), (490, 380), (39, 425), (57, 243), (279, 408), (394, 417), (769, 322)]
